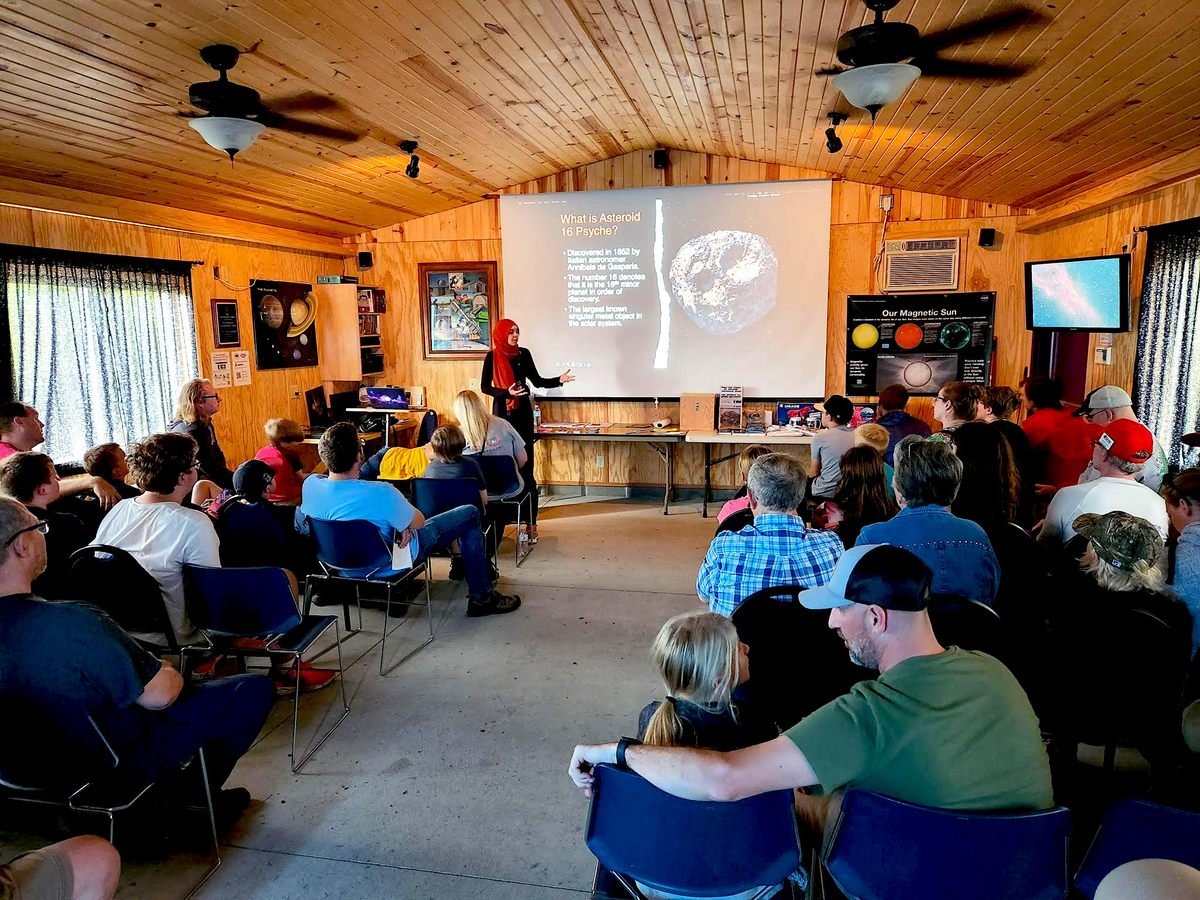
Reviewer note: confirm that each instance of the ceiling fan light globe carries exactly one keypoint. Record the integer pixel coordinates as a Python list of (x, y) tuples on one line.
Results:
[(228, 135), (873, 87)]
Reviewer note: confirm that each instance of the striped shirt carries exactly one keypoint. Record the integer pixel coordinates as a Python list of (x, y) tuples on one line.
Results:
[(777, 549)]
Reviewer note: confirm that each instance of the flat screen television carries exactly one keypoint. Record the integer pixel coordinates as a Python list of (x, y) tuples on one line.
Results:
[(1086, 294)]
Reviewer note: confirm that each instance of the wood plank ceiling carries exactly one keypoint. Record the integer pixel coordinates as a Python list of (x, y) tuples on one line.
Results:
[(504, 91)]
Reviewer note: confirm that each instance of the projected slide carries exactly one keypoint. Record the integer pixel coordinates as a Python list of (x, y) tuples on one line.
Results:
[(663, 291), (1082, 293)]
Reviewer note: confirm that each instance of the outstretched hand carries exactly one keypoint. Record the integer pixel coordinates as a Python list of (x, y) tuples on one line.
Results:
[(566, 377)]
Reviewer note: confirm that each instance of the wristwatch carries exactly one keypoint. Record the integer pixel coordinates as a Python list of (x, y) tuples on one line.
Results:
[(622, 745)]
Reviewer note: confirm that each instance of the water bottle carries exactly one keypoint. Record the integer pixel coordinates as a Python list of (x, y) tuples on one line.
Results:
[(537, 417)]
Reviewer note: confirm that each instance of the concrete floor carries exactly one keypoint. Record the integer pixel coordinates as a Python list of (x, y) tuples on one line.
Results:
[(448, 779)]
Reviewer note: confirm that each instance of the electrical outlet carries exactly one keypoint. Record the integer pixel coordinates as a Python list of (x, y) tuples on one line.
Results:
[(886, 202), (473, 384), (600, 462), (295, 391)]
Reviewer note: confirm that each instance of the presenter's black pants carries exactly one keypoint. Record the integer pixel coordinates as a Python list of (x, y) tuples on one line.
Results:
[(531, 486)]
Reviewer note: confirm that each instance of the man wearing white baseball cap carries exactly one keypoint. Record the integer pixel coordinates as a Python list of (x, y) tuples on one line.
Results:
[(1107, 404), (942, 727)]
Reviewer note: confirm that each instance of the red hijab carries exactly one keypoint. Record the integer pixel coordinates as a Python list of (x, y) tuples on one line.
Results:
[(502, 356)]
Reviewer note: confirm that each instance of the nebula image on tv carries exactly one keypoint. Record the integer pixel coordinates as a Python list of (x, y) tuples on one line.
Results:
[(1082, 293)]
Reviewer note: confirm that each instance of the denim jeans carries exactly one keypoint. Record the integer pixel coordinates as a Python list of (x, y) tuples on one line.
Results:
[(463, 525)]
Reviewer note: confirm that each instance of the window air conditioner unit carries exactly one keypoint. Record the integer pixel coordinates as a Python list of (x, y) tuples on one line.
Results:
[(924, 265)]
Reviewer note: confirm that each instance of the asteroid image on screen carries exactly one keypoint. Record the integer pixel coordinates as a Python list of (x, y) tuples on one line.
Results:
[(655, 292), (1079, 293)]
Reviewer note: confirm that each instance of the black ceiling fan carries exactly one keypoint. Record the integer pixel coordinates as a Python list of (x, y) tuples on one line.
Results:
[(224, 100), (885, 43)]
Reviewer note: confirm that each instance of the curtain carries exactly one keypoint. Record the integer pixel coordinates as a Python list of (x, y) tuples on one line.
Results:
[(1167, 372), (99, 344)]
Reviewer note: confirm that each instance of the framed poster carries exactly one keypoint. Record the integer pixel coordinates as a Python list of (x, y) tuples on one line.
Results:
[(226, 332), (459, 305), (918, 340), (285, 324)]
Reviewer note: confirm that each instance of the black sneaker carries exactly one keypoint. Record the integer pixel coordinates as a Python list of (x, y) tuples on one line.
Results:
[(457, 570), (228, 806), (494, 603)]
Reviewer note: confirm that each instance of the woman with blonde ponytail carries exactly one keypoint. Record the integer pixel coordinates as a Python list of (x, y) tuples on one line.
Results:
[(701, 663)]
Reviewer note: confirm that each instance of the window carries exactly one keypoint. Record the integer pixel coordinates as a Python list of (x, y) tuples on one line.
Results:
[(99, 344), (1167, 375)]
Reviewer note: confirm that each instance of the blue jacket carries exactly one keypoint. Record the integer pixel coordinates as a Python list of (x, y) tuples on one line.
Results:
[(957, 550), (899, 425)]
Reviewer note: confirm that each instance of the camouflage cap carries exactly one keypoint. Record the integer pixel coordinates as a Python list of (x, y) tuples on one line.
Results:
[(1121, 540)]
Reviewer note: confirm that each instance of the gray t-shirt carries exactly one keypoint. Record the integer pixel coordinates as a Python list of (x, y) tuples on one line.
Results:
[(827, 448), (502, 440)]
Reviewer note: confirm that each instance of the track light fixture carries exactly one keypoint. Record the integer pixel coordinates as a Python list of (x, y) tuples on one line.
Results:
[(413, 169), (832, 142)]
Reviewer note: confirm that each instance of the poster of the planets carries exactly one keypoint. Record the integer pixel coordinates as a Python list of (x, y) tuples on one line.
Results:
[(285, 324), (918, 340)]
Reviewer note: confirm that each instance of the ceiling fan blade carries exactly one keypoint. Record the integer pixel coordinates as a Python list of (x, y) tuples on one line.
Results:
[(999, 22), (310, 129), (829, 70), (305, 101), (934, 67)]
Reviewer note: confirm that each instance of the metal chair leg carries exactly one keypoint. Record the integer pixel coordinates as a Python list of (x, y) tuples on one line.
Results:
[(428, 612), (212, 824), (298, 764)]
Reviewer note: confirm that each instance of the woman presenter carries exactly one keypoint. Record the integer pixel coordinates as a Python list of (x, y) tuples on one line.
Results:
[(506, 369)]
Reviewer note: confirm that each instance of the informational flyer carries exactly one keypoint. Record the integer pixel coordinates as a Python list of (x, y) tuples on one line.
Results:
[(729, 409), (241, 368), (221, 375), (918, 340)]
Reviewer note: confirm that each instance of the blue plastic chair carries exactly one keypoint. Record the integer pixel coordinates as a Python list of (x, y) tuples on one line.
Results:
[(885, 849), (1138, 829), (503, 479), (438, 495), (356, 545), (118, 584), (257, 603), (688, 847)]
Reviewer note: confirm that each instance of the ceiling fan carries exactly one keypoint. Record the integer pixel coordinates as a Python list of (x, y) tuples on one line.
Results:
[(881, 60), (236, 115)]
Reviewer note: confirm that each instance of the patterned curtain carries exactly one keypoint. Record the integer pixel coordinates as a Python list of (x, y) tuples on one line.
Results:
[(1167, 375), (99, 344)]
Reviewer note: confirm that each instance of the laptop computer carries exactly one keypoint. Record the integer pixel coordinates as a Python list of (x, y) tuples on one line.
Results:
[(318, 412), (387, 398)]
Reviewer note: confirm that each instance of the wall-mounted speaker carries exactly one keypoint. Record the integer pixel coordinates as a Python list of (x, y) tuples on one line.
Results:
[(987, 237), (661, 158), (365, 259)]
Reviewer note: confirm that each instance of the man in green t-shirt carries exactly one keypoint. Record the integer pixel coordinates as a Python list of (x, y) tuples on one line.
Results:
[(948, 728)]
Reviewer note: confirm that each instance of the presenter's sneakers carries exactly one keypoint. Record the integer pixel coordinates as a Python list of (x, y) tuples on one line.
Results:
[(493, 604)]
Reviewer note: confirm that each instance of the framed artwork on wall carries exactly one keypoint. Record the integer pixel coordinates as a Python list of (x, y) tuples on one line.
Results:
[(226, 332), (459, 304)]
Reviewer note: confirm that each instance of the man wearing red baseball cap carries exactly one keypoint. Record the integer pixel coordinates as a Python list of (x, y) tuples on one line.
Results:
[(1109, 403), (1119, 456)]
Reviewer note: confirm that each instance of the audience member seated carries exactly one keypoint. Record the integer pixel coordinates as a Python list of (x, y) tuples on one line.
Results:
[(157, 530), (488, 435), (21, 429), (875, 436), (397, 463), (941, 727), (1182, 495), (198, 403), (1119, 454), (1106, 405), (107, 461), (991, 485), (153, 721), (284, 436), (342, 495), (702, 663), (777, 549), (829, 444), (862, 497), (448, 461), (999, 404), (956, 403), (1060, 445), (958, 551), (30, 478), (741, 499), (899, 424), (80, 868)]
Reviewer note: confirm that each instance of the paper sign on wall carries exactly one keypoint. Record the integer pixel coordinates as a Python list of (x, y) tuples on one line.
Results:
[(241, 367), (222, 377)]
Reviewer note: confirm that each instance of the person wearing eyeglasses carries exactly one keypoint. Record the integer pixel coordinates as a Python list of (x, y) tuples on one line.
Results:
[(956, 404), (157, 530), (198, 403), (1102, 407)]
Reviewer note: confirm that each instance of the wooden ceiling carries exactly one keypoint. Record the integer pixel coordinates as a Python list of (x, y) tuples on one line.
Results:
[(504, 91)]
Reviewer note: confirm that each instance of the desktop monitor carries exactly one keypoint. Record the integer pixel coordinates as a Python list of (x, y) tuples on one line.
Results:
[(339, 402), (1087, 294), (318, 410)]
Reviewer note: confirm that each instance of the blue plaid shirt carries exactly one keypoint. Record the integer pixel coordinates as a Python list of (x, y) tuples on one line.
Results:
[(777, 549)]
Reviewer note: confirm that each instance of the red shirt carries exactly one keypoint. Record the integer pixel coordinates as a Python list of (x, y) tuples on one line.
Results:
[(285, 465), (7, 450), (1061, 445)]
